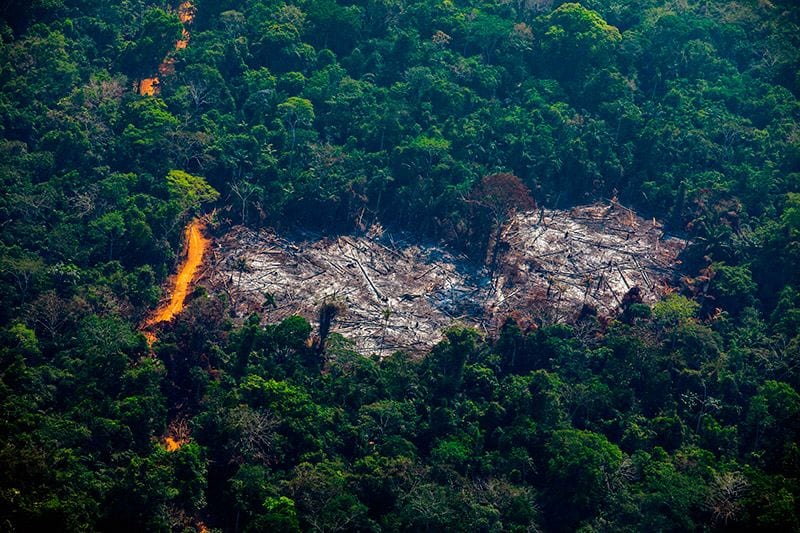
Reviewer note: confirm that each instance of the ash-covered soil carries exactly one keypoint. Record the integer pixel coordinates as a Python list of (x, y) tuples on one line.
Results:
[(398, 295)]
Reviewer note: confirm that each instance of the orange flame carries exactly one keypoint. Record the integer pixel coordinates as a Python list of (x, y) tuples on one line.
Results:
[(150, 86), (196, 246), (186, 12), (172, 444)]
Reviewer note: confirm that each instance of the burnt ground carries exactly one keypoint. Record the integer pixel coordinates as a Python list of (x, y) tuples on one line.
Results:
[(399, 295)]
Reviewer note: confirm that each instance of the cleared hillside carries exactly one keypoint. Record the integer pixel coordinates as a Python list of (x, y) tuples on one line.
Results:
[(400, 295)]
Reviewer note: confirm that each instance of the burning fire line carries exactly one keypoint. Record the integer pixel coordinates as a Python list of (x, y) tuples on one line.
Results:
[(151, 86), (196, 245)]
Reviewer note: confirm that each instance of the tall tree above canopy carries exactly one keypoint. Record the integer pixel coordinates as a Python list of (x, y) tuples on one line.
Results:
[(502, 194), (497, 197), (294, 112)]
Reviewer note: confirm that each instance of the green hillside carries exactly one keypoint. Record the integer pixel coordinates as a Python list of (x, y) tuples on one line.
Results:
[(121, 122)]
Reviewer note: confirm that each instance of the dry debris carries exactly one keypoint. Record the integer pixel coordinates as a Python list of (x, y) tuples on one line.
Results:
[(398, 295), (558, 261)]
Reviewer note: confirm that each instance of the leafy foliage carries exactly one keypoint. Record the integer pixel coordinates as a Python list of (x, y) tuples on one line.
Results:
[(439, 119)]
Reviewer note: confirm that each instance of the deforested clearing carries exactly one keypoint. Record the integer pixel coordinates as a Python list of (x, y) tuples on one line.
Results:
[(552, 265)]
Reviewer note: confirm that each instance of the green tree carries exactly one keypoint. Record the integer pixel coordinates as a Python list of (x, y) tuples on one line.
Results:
[(772, 426), (279, 515), (191, 191), (155, 37), (674, 310), (583, 469), (296, 112), (110, 227), (732, 287)]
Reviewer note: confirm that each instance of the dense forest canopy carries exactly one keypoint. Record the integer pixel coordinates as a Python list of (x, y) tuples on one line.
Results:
[(338, 114)]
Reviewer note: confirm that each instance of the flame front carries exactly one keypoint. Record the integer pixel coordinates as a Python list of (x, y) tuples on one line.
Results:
[(196, 246)]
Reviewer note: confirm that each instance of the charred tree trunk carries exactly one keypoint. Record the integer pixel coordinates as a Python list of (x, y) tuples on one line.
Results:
[(327, 314)]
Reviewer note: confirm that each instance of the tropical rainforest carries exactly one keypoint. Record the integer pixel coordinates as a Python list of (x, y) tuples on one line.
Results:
[(682, 415)]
